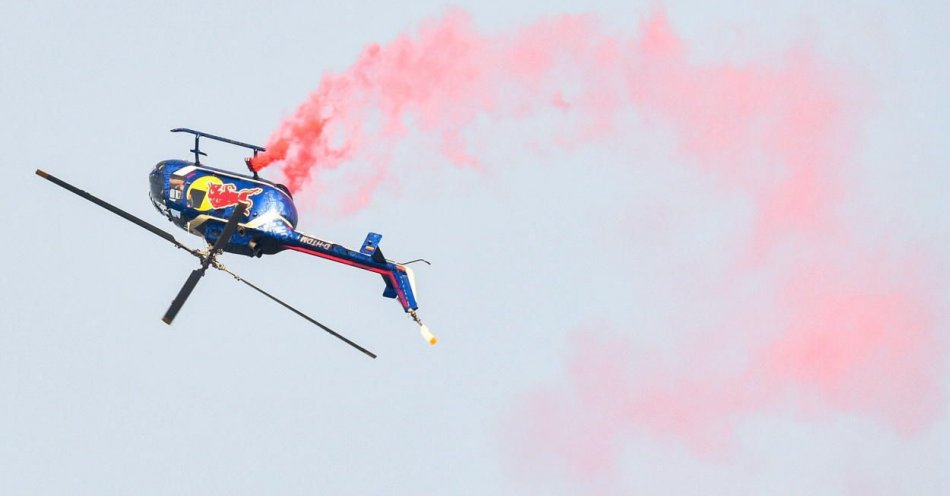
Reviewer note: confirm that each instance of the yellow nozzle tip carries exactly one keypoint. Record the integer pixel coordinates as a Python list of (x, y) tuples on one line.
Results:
[(427, 335)]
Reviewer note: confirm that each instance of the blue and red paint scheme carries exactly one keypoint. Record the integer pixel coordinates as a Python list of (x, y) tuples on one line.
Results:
[(249, 216), (201, 199)]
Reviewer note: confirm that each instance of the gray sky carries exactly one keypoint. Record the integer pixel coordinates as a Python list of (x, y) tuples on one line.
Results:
[(98, 396)]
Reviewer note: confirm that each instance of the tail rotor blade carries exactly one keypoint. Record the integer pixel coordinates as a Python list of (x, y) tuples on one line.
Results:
[(183, 294)]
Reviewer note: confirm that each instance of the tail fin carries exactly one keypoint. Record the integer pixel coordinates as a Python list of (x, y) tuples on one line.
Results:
[(398, 275), (371, 243), (400, 280), (401, 276)]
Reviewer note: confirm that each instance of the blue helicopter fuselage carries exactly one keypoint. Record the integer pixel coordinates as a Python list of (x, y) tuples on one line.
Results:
[(200, 200)]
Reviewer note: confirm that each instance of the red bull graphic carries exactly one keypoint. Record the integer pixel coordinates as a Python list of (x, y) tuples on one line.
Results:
[(210, 193), (225, 195)]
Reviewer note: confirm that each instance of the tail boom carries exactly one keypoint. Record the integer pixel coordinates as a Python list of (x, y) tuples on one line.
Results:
[(398, 278)]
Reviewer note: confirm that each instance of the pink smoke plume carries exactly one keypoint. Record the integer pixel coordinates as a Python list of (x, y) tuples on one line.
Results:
[(837, 327), (442, 79), (837, 340)]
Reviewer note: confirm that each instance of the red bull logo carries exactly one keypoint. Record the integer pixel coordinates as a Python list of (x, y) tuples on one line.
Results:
[(225, 195), (210, 193)]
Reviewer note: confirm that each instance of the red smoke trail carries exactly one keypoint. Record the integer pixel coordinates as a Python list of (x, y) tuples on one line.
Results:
[(835, 327), (849, 329), (441, 80), (838, 340)]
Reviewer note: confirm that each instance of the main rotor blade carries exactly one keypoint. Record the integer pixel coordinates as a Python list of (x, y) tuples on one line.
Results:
[(229, 228), (121, 213), (305, 316), (183, 294)]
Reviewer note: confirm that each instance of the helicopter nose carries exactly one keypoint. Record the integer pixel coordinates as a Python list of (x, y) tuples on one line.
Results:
[(156, 182)]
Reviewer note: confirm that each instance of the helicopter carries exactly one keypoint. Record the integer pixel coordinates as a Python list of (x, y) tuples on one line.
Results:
[(251, 216)]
